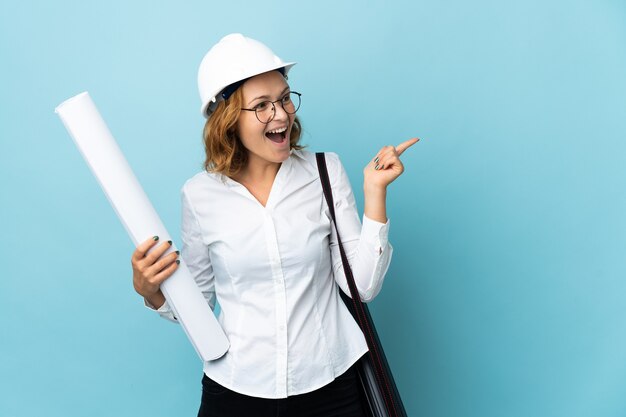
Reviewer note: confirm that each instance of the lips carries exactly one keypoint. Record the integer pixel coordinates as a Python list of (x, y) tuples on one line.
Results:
[(277, 135)]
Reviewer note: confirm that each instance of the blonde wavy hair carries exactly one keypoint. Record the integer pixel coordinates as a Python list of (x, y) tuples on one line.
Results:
[(225, 154)]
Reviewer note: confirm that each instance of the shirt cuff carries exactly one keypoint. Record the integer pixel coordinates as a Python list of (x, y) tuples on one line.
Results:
[(165, 308), (376, 233)]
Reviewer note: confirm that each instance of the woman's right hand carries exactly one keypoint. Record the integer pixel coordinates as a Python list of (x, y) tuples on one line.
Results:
[(151, 269)]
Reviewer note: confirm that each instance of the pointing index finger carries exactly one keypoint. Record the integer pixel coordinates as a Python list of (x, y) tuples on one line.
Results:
[(406, 145)]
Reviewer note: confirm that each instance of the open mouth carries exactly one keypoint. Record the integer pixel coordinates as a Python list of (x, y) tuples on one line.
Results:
[(277, 135)]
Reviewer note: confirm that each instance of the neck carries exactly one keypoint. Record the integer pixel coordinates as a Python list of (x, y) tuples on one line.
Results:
[(258, 172)]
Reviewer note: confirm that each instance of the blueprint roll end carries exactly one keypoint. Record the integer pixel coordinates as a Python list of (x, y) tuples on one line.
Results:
[(78, 96)]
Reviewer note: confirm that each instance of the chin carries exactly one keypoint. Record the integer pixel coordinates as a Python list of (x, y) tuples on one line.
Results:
[(283, 155)]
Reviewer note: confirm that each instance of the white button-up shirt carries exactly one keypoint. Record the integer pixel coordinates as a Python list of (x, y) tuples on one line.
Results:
[(274, 271)]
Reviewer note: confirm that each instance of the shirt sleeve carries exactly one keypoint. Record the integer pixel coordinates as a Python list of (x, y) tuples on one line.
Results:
[(196, 256), (367, 246), (164, 311)]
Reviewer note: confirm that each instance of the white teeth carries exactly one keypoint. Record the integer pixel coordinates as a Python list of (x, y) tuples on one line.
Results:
[(279, 130)]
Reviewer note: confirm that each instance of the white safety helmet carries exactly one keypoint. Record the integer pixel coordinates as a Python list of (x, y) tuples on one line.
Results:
[(233, 59)]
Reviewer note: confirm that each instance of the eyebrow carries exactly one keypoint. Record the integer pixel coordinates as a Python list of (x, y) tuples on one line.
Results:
[(266, 97)]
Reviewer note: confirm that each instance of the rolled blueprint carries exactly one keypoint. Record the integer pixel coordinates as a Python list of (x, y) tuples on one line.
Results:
[(95, 142)]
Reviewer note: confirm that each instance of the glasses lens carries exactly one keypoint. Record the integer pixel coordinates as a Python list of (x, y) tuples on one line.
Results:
[(291, 102), (265, 111)]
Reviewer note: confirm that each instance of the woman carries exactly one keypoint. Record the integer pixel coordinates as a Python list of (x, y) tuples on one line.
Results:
[(257, 237)]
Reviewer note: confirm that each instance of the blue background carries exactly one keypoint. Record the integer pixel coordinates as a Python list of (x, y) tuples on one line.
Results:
[(506, 295)]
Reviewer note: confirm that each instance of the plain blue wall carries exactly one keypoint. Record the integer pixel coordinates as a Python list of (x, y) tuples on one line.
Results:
[(506, 296)]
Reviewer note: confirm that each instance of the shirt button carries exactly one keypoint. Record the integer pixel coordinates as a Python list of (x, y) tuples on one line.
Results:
[(279, 281), (281, 327)]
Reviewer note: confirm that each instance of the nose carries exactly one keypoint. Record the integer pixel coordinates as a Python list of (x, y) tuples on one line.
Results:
[(279, 112)]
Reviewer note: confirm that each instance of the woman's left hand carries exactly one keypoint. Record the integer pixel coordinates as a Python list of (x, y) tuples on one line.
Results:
[(386, 165)]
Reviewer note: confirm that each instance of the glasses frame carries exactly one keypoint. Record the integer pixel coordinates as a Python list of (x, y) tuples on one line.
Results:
[(274, 107)]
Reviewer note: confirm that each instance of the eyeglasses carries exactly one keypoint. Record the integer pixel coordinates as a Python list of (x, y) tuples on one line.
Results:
[(266, 110)]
